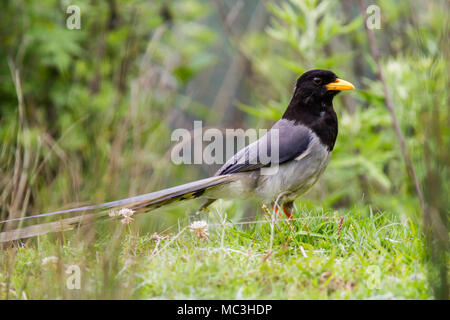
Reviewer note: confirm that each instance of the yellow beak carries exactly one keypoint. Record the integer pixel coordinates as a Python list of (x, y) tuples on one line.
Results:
[(340, 85)]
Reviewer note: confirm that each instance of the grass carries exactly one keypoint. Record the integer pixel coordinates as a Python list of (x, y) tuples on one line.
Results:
[(367, 256)]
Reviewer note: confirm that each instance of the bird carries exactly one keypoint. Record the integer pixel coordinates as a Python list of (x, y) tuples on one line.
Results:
[(306, 136)]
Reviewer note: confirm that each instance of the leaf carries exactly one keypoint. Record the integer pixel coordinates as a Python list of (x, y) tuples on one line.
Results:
[(261, 112)]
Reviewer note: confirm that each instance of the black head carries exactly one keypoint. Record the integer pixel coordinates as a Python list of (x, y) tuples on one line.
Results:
[(317, 86), (312, 103)]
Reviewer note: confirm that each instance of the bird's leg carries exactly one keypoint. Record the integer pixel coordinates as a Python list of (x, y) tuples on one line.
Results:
[(276, 203), (288, 207), (277, 211), (275, 208)]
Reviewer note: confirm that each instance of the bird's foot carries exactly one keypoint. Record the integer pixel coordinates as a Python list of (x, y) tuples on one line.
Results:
[(287, 210)]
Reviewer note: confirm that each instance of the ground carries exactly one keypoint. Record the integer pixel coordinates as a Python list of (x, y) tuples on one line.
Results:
[(355, 254)]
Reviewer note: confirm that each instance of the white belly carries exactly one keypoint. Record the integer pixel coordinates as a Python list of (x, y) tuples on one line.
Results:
[(295, 177)]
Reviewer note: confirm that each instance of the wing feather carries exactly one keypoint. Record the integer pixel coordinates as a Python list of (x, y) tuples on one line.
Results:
[(293, 141)]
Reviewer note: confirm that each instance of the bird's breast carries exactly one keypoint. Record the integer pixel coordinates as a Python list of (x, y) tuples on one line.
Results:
[(296, 176)]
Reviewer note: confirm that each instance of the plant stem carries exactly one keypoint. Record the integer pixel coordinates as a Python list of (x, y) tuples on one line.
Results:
[(390, 106)]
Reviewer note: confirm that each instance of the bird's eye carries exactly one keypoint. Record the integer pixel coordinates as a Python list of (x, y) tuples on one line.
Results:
[(317, 81)]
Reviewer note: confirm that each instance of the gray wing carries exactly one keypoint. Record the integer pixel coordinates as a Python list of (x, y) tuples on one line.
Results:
[(293, 140)]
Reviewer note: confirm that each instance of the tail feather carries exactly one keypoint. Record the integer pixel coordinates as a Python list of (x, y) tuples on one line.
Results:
[(141, 203)]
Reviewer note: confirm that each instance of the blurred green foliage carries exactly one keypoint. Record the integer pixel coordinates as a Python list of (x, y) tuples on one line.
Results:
[(96, 105), (97, 102)]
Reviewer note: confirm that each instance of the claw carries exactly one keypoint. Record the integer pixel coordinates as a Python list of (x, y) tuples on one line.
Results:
[(287, 210)]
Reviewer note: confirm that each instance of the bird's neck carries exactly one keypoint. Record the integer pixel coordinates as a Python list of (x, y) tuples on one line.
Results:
[(319, 116)]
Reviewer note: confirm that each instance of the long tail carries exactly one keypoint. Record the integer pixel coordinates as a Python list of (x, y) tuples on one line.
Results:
[(142, 203)]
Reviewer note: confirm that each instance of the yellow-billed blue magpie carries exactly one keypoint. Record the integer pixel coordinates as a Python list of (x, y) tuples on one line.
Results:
[(306, 136)]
